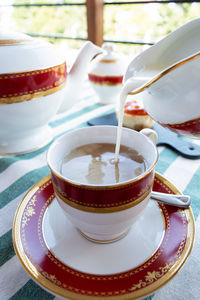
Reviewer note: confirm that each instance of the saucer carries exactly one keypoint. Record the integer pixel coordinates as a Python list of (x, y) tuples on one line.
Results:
[(65, 263)]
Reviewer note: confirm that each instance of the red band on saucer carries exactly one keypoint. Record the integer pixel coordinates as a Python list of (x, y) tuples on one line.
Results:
[(24, 86), (63, 280), (105, 80)]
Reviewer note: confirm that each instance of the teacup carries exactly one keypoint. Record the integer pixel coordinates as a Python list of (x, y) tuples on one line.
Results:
[(103, 213)]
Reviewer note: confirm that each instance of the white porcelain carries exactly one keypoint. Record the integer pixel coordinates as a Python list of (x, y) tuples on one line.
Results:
[(60, 260), (76, 75), (167, 75), (105, 74), (24, 115), (60, 234), (104, 228), (183, 201), (99, 223)]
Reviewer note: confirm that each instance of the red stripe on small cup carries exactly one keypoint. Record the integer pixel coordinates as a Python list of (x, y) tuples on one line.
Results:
[(105, 80)]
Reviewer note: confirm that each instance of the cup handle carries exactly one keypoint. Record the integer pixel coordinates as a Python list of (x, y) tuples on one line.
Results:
[(151, 134)]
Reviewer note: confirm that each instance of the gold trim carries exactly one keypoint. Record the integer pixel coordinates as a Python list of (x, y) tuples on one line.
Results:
[(30, 96), (102, 76), (32, 72), (102, 209), (164, 72), (166, 230), (186, 123), (179, 263), (108, 61), (41, 280), (181, 126), (104, 241), (106, 83), (99, 187), (140, 267), (14, 42)]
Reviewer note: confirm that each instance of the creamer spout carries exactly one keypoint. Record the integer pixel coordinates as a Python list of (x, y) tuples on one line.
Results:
[(135, 85)]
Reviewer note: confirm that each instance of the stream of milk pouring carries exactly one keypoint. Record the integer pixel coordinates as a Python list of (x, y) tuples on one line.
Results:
[(133, 86)]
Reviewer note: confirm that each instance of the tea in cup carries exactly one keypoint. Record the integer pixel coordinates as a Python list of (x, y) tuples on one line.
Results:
[(98, 166), (100, 196)]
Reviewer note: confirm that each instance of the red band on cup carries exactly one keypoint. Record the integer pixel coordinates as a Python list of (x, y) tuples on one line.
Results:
[(103, 199)]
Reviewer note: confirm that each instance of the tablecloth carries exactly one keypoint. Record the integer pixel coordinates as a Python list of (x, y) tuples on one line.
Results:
[(19, 173)]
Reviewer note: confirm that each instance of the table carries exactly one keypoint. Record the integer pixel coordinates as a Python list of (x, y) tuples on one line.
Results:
[(19, 173)]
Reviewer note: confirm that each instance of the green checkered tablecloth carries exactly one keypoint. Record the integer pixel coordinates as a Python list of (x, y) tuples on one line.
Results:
[(19, 173)]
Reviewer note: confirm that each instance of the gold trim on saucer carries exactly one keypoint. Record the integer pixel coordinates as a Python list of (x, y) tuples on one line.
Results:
[(164, 72), (51, 283)]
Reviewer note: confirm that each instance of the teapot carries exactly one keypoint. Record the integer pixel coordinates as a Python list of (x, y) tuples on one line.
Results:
[(33, 76), (167, 76)]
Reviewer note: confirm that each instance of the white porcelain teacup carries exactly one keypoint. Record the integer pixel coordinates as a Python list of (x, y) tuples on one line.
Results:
[(103, 213)]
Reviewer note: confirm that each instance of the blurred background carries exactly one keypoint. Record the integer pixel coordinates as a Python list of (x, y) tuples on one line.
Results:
[(131, 25)]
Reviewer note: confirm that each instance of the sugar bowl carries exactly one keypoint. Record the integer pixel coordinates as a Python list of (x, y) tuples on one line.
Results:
[(105, 74)]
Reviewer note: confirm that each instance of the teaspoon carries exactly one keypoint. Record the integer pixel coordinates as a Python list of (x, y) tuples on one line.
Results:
[(182, 201)]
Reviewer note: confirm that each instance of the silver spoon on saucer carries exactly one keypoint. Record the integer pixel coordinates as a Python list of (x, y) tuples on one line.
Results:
[(182, 201)]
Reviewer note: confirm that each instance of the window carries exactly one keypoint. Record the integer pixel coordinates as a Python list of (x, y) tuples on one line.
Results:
[(133, 25)]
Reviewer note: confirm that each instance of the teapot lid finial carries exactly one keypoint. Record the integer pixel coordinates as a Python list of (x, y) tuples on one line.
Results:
[(108, 52)]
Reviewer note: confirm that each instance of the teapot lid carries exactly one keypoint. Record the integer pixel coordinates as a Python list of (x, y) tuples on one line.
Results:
[(14, 38), (109, 63), (108, 54), (21, 53)]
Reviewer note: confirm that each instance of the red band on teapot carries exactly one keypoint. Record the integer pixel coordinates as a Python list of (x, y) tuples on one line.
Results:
[(25, 86), (190, 128), (105, 80)]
